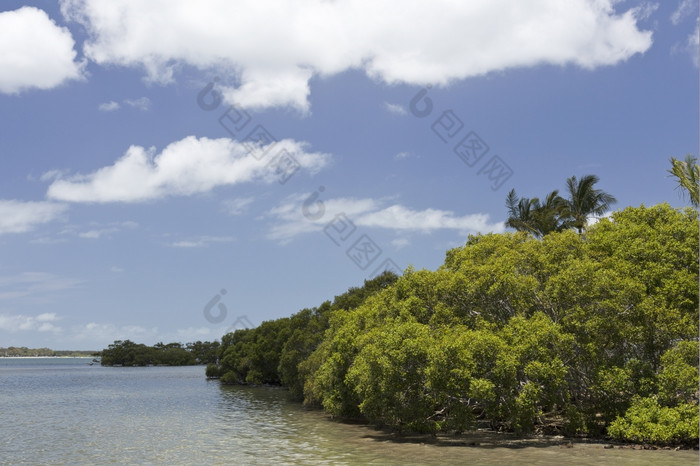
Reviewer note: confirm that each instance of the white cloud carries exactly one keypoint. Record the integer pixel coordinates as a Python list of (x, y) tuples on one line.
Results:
[(645, 10), (202, 241), (273, 48), (52, 175), (35, 52), (106, 230), (291, 219), (693, 44), (109, 106), (185, 167), (395, 109), (399, 243), (397, 217), (142, 103), (18, 322), (684, 9), (116, 269), (237, 206), (402, 155), (102, 334), (19, 216), (99, 335)]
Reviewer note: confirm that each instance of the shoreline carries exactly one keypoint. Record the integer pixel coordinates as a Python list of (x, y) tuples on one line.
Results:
[(488, 438), (46, 357)]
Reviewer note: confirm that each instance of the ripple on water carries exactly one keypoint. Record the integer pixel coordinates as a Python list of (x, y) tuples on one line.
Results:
[(72, 413)]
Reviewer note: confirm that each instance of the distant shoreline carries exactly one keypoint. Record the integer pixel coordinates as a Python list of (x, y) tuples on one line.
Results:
[(46, 357)]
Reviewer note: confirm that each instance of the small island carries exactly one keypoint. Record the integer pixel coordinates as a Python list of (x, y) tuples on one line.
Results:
[(128, 353), (24, 352)]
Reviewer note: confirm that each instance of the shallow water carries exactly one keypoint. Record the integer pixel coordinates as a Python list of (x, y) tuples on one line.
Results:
[(64, 411)]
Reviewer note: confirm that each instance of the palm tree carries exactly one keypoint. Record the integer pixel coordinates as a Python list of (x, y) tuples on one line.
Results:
[(536, 217), (687, 173), (551, 215), (585, 201), (521, 213)]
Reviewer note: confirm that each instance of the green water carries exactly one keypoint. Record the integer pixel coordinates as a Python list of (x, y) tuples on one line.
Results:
[(64, 411)]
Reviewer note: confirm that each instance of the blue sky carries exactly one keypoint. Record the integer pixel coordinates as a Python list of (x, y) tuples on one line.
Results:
[(132, 193)]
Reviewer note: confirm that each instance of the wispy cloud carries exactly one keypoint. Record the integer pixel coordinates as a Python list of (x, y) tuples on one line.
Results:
[(291, 222), (402, 155), (693, 43), (142, 103), (98, 335), (110, 106), (202, 241), (395, 109), (19, 216), (34, 284), (106, 230), (399, 243), (684, 9), (186, 167), (691, 46), (101, 334), (237, 206)]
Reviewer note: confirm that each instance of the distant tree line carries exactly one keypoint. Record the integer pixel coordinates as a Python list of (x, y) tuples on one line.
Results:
[(128, 353), (23, 351)]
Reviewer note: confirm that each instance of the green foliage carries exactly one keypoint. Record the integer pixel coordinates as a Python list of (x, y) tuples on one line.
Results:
[(648, 422), (526, 334), (521, 332), (687, 174), (678, 378), (128, 353), (279, 352), (213, 371), (556, 213), (24, 352), (204, 352)]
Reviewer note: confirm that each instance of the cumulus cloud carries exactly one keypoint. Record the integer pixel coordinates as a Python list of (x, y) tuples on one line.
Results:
[(19, 216), (272, 49), (295, 216), (185, 167), (35, 52)]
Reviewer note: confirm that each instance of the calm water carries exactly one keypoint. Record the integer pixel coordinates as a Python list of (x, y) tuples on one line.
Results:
[(64, 411)]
